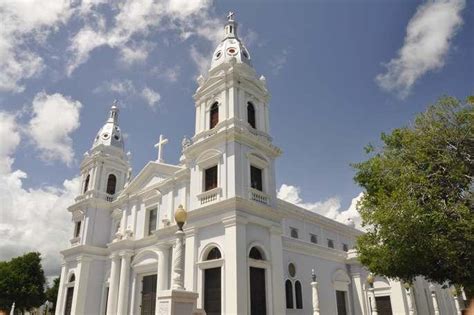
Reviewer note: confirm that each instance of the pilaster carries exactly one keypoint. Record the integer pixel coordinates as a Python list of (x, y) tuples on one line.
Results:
[(277, 270), (61, 291), (163, 267), (82, 276), (189, 263), (124, 282), (113, 284)]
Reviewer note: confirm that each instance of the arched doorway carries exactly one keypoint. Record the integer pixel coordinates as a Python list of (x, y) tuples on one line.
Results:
[(212, 284), (258, 299)]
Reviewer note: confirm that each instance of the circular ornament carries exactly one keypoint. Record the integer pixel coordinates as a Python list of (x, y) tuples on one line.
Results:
[(292, 270), (232, 51)]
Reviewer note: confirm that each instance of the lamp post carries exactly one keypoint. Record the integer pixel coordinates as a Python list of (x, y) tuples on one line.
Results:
[(434, 299), (373, 305), (457, 304), (314, 286), (411, 309), (180, 216)]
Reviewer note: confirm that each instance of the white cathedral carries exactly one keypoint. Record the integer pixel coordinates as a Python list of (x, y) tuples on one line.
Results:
[(245, 250)]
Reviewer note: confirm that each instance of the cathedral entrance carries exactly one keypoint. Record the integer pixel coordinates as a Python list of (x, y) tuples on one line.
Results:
[(68, 306), (212, 291), (148, 295), (258, 302)]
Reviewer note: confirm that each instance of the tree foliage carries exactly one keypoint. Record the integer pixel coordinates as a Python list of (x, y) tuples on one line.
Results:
[(418, 200), (22, 281), (52, 292)]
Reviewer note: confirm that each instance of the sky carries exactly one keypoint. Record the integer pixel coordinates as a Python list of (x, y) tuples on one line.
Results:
[(339, 73)]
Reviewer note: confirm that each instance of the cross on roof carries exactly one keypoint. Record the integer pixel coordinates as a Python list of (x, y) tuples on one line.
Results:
[(162, 141), (230, 16)]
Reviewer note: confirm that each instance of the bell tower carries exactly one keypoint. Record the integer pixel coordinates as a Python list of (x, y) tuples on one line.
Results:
[(231, 153), (105, 170)]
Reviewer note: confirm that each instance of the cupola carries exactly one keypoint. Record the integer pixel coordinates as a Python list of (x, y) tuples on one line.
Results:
[(110, 135)]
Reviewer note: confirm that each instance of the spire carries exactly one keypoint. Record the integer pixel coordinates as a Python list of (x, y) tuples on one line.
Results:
[(109, 134), (231, 26), (114, 111), (231, 49)]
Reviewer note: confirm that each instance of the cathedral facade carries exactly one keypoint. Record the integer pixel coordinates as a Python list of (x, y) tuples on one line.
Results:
[(246, 251)]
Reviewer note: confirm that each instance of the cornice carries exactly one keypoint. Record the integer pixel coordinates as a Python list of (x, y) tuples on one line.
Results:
[(306, 248)]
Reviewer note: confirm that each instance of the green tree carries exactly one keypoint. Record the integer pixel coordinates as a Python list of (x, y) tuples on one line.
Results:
[(52, 292), (418, 200), (22, 281)]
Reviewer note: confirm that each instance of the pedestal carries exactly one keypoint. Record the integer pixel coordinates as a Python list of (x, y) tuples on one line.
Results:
[(177, 302)]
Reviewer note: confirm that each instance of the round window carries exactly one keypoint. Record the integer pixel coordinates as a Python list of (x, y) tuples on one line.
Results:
[(245, 54), (116, 137), (292, 270), (105, 135), (231, 51), (218, 54)]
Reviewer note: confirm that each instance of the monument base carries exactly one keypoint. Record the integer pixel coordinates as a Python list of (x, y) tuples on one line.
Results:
[(177, 302)]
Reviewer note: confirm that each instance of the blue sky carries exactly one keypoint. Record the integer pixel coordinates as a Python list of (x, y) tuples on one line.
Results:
[(339, 73)]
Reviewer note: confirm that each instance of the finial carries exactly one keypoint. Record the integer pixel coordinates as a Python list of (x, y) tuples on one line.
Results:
[(114, 111), (230, 16), (313, 275)]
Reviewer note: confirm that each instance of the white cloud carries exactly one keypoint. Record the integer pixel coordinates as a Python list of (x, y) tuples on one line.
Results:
[(278, 61), (10, 137), (35, 219), (135, 53), (24, 22), (121, 87), (427, 42), (203, 62), (151, 97), (31, 219), (55, 117), (330, 208)]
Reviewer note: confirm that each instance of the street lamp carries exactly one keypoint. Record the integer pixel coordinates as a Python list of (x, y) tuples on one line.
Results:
[(180, 216)]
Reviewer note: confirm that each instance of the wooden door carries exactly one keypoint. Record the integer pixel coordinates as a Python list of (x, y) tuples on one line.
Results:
[(212, 291), (384, 306), (68, 306), (148, 295), (258, 299), (341, 302)]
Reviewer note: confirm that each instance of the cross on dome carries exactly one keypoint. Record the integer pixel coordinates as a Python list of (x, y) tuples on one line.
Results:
[(162, 141), (230, 16)]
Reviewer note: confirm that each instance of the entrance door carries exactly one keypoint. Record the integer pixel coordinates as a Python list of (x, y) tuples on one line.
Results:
[(258, 301), (68, 306), (148, 295), (212, 291), (341, 302), (384, 307)]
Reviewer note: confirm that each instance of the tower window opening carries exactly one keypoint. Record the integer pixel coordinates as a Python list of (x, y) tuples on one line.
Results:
[(214, 115), (111, 183), (77, 228), (230, 29), (256, 178), (298, 295), (210, 178), (86, 183), (152, 219), (289, 294), (251, 115)]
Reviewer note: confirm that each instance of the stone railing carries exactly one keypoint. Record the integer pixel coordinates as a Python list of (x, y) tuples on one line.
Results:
[(209, 196), (259, 196), (109, 197)]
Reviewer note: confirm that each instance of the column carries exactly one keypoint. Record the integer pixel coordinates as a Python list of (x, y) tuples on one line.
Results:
[(80, 288), (60, 300), (163, 267), (434, 300), (236, 266), (124, 282), (360, 302), (113, 285), (190, 261), (277, 270)]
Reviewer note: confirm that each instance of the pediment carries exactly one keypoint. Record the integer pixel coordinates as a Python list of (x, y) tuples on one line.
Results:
[(152, 174)]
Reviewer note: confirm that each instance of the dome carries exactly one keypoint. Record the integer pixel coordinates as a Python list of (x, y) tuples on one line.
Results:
[(109, 134), (230, 47)]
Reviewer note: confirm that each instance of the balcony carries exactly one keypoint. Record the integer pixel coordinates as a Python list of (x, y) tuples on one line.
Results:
[(259, 196), (109, 197), (209, 196)]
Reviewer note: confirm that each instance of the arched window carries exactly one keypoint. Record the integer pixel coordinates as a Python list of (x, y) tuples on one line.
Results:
[(111, 183), (72, 278), (289, 294), (214, 253), (214, 115), (255, 253), (86, 183), (251, 115), (299, 295)]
